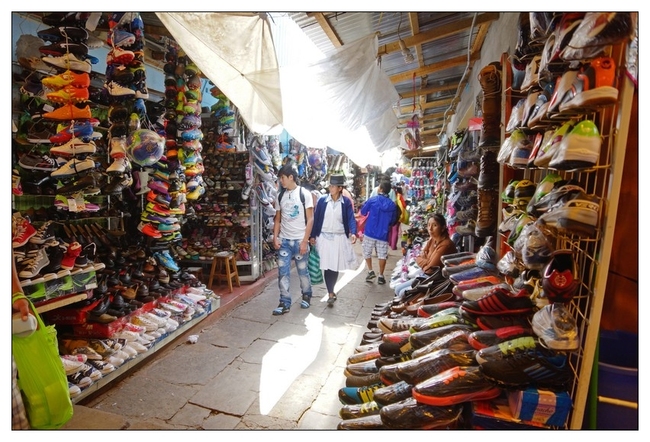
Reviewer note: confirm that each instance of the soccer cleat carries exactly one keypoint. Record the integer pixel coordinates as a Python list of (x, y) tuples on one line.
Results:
[(500, 301), (69, 112), (65, 47), (481, 339), (358, 395), (119, 56), (117, 90), (68, 62), (525, 364), (67, 78), (409, 414), (73, 167), (455, 386), (78, 129), (432, 364), (73, 148), (390, 394)]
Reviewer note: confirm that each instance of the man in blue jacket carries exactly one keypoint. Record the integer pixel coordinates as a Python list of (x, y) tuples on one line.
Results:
[(382, 214)]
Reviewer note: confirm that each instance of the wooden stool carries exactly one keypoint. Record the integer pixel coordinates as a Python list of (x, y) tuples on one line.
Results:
[(224, 267)]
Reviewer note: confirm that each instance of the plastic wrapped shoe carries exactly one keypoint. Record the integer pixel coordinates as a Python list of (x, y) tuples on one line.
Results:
[(455, 386), (412, 415)]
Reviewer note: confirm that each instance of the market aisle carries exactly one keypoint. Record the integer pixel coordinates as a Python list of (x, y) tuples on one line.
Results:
[(249, 369)]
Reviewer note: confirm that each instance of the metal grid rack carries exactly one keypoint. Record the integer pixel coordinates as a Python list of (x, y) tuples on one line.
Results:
[(592, 255)]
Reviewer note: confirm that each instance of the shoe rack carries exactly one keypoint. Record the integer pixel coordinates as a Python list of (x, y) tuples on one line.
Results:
[(591, 254)]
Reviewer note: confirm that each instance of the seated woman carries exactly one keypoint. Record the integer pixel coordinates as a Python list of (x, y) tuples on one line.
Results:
[(438, 245)]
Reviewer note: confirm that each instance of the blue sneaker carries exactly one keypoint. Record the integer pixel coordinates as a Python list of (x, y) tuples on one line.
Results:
[(165, 260)]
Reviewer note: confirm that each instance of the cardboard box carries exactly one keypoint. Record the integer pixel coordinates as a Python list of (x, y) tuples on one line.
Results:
[(541, 406)]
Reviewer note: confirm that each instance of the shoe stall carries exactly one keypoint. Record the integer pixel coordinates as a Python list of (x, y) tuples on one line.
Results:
[(135, 180), (505, 334), (126, 190)]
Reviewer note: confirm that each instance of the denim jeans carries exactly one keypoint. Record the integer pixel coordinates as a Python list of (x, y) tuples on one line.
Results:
[(290, 251)]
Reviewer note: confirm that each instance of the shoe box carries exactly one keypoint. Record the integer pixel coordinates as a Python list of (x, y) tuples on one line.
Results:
[(546, 407), (495, 414)]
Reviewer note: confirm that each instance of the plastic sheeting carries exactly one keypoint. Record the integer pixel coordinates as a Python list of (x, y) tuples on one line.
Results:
[(235, 51), (343, 101)]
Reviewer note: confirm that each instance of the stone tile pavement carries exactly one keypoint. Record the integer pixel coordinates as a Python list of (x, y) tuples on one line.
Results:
[(249, 369)]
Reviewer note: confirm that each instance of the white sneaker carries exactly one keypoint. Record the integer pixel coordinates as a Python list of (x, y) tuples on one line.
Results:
[(130, 350), (137, 347), (128, 336), (116, 362), (69, 61), (118, 147), (103, 367), (71, 367), (74, 147), (73, 167), (117, 90), (119, 165)]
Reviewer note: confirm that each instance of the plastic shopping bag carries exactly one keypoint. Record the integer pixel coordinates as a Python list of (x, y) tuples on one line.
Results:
[(315, 273), (41, 377)]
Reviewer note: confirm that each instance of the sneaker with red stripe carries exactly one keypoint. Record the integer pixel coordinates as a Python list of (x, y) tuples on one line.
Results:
[(500, 301), (481, 339), (454, 386)]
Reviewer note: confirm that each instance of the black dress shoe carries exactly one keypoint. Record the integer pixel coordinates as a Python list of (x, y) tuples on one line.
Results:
[(101, 307)]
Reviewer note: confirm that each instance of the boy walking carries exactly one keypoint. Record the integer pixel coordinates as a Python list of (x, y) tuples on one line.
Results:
[(382, 214), (291, 228)]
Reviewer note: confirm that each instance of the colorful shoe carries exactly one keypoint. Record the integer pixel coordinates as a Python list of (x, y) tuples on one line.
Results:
[(117, 90), (481, 339), (432, 364), (560, 278), (22, 232), (595, 85), (525, 364), (38, 162), (579, 149), (67, 78), (500, 301), (455, 386), (358, 395), (65, 47), (69, 112)]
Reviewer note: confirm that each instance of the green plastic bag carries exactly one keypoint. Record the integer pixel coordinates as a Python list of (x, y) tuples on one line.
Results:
[(315, 273), (41, 377)]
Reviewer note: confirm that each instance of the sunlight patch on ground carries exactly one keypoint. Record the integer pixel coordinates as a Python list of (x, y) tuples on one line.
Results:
[(286, 360)]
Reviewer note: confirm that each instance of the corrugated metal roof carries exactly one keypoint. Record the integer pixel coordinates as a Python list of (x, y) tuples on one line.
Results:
[(441, 47)]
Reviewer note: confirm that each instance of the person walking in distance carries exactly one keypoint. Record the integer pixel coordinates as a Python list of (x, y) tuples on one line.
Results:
[(382, 214), (333, 234), (294, 218)]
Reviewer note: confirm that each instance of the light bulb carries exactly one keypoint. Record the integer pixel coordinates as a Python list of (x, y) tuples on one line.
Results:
[(406, 52)]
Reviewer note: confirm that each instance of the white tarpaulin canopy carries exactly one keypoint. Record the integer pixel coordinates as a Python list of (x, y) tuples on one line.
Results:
[(343, 101), (235, 51)]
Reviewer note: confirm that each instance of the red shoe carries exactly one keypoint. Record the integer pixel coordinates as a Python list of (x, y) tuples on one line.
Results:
[(23, 231)]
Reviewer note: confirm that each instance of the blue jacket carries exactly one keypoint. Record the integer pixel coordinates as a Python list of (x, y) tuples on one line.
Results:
[(348, 214), (382, 212)]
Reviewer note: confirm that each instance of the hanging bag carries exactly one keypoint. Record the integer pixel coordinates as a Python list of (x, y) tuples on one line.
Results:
[(41, 376), (313, 265)]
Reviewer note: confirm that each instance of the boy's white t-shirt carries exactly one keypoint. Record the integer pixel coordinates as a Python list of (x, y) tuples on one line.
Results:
[(292, 213)]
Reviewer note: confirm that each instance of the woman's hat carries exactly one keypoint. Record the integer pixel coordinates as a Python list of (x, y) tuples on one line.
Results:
[(337, 180)]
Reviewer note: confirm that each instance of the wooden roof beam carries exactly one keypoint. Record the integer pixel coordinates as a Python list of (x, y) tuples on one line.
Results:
[(439, 32), (327, 28)]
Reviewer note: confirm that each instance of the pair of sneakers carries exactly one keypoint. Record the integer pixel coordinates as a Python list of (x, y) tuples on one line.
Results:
[(371, 275), (283, 308)]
